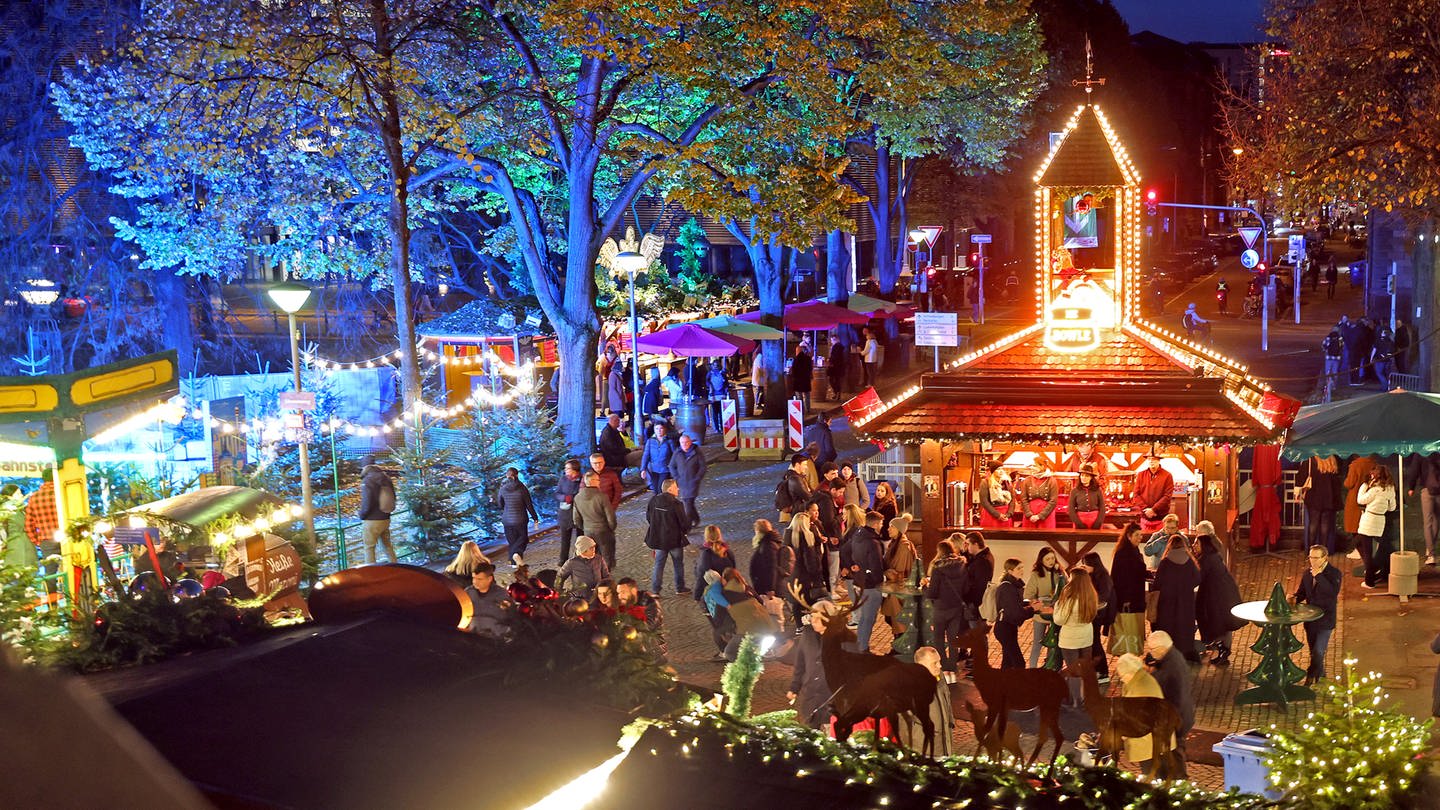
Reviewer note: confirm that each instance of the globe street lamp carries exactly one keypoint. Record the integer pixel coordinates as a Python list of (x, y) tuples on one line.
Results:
[(631, 263), (290, 296)]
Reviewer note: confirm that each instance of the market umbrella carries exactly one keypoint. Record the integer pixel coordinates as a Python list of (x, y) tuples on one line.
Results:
[(731, 325), (689, 340), (1397, 422), (865, 305), (814, 316)]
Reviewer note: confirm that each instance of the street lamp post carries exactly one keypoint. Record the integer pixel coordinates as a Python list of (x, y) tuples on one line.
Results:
[(290, 296), (631, 263)]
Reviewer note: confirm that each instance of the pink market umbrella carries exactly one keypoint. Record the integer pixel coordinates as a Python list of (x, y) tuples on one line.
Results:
[(689, 340)]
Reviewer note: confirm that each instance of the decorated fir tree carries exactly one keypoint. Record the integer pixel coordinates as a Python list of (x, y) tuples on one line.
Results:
[(1353, 751), (738, 679), (426, 489)]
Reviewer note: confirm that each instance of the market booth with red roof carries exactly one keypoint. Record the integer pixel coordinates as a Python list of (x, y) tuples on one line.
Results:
[(1090, 381)]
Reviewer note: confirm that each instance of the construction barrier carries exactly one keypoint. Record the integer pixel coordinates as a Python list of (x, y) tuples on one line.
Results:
[(729, 413), (795, 417), (762, 439)]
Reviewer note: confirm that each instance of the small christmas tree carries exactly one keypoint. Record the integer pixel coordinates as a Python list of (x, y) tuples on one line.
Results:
[(1276, 678), (1352, 751), (427, 487), (738, 679)]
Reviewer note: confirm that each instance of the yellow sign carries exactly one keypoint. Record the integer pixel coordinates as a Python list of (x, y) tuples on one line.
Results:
[(29, 398), (111, 384), (1079, 312)]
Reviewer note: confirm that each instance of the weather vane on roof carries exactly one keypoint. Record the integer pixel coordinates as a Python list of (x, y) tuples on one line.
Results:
[(1090, 81)]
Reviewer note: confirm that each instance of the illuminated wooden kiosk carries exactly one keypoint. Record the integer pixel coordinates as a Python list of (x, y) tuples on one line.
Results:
[(1089, 369)]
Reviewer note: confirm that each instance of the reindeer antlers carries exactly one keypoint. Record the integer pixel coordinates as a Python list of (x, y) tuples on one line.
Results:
[(796, 593)]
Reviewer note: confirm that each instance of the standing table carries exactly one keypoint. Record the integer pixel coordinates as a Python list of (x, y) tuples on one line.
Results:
[(1276, 678)]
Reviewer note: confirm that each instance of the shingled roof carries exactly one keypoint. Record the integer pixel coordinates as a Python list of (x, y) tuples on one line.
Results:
[(1085, 158)]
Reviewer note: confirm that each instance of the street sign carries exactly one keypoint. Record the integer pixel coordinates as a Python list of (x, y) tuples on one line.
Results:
[(937, 329), (1297, 248), (1249, 259), (533, 320), (1249, 235), (932, 232), (979, 238), (297, 400)]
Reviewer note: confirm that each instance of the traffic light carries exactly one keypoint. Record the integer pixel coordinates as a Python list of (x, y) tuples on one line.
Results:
[(974, 259), (1150, 197)]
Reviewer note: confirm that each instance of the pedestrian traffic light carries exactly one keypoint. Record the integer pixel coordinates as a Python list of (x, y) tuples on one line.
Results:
[(975, 259), (1150, 197)]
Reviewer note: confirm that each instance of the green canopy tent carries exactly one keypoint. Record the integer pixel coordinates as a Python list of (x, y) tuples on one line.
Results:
[(1395, 423), (731, 325)]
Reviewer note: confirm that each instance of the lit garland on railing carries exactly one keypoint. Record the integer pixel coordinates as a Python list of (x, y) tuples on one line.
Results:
[(391, 359)]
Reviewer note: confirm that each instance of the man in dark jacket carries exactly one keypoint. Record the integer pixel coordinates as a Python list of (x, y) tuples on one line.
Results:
[(687, 469), (1350, 337), (822, 437), (595, 517), (792, 493), (565, 491), (490, 603), (377, 502), (979, 570), (1173, 674), (836, 367), (1320, 588), (665, 534), (1423, 475), (655, 460), (607, 479), (612, 444), (867, 573), (515, 506), (581, 573)]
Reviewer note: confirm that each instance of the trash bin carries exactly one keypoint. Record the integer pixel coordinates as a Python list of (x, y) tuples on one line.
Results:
[(1245, 753)]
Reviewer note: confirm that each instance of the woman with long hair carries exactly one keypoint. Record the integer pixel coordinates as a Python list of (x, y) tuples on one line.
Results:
[(886, 504), (771, 566), (1127, 574), (997, 500), (1044, 584), (944, 585), (714, 556), (852, 517), (1376, 498), (810, 569), (1105, 590), (1217, 595), (464, 563), (1176, 579), (1074, 614)]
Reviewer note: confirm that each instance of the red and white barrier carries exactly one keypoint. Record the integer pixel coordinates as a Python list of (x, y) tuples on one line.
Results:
[(729, 418), (795, 423)]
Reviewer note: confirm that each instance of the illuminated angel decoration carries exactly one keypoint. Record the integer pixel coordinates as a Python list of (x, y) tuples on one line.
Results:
[(650, 246)]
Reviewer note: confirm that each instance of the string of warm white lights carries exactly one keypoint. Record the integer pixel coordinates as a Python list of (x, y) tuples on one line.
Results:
[(392, 359)]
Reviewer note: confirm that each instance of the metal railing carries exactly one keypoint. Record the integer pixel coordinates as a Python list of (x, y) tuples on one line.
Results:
[(1410, 382), (1292, 509)]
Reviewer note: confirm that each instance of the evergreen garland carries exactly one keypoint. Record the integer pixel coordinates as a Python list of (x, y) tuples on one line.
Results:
[(738, 679), (1352, 751)]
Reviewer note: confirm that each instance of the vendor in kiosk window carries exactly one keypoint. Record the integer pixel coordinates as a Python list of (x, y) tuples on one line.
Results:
[(1087, 500), (1085, 455), (996, 500), (1153, 488), (1039, 495)]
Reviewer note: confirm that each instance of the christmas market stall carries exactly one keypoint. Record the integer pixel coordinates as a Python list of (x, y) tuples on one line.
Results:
[(480, 345), (1155, 419)]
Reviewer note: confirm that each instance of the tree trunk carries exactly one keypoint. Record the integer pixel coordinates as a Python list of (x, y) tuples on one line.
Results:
[(837, 278), (886, 273), (179, 326), (400, 279), (766, 260), (580, 331)]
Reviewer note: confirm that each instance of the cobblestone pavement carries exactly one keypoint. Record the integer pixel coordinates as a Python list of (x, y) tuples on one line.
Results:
[(736, 493)]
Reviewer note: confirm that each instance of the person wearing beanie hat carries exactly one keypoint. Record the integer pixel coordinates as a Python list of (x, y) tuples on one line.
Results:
[(1087, 500), (581, 573), (1138, 683), (1173, 675)]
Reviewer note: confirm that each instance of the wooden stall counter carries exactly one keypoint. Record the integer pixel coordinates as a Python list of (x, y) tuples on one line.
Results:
[(1070, 544)]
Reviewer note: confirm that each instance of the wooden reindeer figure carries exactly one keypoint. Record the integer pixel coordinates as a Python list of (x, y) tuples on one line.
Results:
[(871, 686), (1122, 717), (1003, 690), (992, 744)]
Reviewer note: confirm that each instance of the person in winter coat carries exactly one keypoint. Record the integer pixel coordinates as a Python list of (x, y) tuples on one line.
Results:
[(655, 459), (581, 573), (824, 439), (565, 491), (1217, 594), (1154, 487), (1075, 610), (1038, 496), (1127, 574), (748, 614), (792, 493), (515, 507), (1138, 683), (810, 570), (1154, 547), (1333, 347), (1087, 500), (490, 604), (666, 525), (1105, 617), (1382, 354), (1377, 498), (607, 479), (615, 390), (802, 374), (594, 516), (1042, 585), (1012, 611), (652, 395), (717, 387), (836, 367), (825, 519), (1320, 588), (687, 468), (867, 574), (464, 563), (1318, 480), (944, 586), (715, 556), (1357, 472), (809, 690), (979, 571), (857, 492), (1422, 473), (942, 713), (377, 502), (1176, 580), (612, 444), (771, 565), (886, 503), (1173, 675), (996, 500)]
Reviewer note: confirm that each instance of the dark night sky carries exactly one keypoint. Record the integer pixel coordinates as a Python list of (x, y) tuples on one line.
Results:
[(1194, 20)]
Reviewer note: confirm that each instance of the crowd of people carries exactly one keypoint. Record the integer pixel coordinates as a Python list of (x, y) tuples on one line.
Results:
[(1356, 350)]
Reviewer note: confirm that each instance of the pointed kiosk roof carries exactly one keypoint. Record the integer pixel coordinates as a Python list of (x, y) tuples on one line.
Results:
[(1089, 155)]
